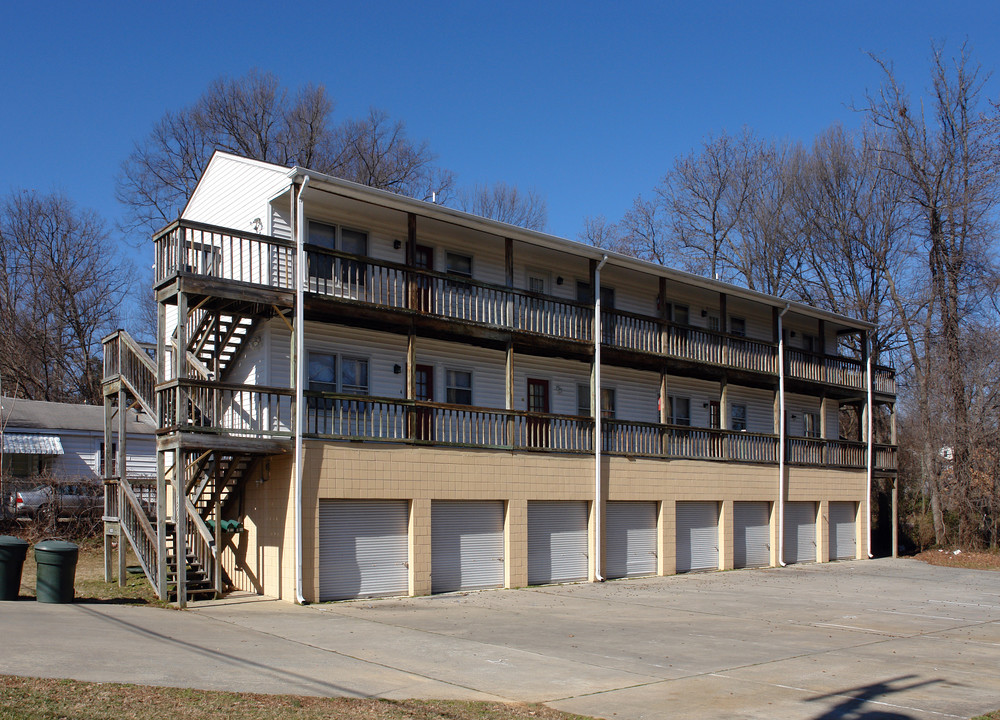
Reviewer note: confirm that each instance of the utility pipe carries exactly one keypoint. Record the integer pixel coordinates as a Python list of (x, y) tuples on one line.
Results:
[(300, 281), (781, 437), (871, 440), (595, 405)]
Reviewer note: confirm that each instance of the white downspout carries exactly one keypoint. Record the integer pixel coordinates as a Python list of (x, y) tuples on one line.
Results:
[(781, 438), (871, 440), (300, 281), (595, 405)]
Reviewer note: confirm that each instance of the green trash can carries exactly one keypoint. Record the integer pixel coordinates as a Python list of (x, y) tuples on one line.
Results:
[(12, 553), (56, 560)]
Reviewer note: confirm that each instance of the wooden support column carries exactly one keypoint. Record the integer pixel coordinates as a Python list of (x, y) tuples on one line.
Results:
[(411, 239), (121, 471), (161, 471), (106, 461), (724, 325), (821, 337)]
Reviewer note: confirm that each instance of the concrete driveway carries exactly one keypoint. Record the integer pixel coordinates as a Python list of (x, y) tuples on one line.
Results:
[(878, 639)]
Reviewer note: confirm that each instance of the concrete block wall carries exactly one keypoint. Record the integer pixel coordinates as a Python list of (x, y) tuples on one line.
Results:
[(263, 557)]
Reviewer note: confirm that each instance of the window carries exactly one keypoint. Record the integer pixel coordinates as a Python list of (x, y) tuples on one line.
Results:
[(811, 421), (537, 281), (458, 385), (680, 410), (585, 295), (460, 265), (738, 417), (738, 326), (354, 376), (809, 343), (682, 315), (713, 323), (19, 465), (321, 267), (583, 401), (323, 372)]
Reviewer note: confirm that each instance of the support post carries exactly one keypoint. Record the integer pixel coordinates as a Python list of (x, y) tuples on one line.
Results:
[(122, 472), (161, 470)]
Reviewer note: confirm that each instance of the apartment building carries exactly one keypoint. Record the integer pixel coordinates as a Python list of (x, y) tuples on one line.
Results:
[(361, 394)]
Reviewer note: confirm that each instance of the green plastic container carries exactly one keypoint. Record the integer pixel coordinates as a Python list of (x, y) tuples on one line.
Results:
[(12, 553), (56, 572)]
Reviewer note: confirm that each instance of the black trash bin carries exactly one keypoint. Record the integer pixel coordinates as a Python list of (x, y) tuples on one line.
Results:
[(56, 560), (12, 553)]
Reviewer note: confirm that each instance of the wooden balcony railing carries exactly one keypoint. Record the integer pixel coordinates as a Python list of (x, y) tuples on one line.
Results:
[(682, 441), (885, 457), (826, 453), (384, 419), (125, 359), (221, 253), (245, 410), (883, 380), (224, 254)]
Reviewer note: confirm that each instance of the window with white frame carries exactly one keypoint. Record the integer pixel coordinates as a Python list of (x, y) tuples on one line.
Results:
[(679, 410), (811, 421), (738, 417), (682, 315), (324, 268), (323, 372), (458, 387), (738, 326), (457, 264)]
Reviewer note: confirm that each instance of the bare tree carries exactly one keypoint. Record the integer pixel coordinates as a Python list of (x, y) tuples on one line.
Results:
[(61, 285), (255, 116), (600, 233), (947, 158), (644, 232), (506, 203), (704, 195)]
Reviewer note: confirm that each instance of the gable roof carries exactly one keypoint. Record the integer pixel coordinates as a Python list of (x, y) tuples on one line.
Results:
[(18, 414)]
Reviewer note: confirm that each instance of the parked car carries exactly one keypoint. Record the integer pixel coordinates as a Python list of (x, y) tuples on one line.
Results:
[(60, 500)]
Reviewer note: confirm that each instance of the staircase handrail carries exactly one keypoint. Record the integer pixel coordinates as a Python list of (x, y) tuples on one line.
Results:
[(139, 389), (131, 515), (209, 549)]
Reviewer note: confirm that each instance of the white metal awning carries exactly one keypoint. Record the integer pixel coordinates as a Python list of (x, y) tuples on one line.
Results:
[(31, 444)]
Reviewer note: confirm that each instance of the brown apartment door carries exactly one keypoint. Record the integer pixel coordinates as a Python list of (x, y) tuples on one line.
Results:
[(423, 259), (424, 390), (538, 402)]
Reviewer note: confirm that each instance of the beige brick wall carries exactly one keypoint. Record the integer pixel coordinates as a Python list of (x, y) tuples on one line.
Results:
[(263, 560)]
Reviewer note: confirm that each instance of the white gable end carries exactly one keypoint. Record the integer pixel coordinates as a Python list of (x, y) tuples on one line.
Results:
[(234, 192)]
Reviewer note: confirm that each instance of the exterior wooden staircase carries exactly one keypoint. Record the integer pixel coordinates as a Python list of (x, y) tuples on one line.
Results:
[(147, 515)]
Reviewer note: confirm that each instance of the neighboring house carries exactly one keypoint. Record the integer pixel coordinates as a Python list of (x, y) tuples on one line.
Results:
[(66, 440), (443, 370)]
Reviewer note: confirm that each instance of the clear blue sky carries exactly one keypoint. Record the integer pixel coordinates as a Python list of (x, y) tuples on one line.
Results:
[(585, 102)]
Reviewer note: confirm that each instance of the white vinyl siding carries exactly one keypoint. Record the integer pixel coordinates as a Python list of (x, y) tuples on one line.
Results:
[(557, 542), (697, 536), (466, 545), (234, 192), (631, 541), (363, 548), (800, 532), (843, 531), (487, 367), (759, 404), (751, 534)]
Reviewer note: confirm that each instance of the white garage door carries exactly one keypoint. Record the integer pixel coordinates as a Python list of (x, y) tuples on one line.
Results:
[(843, 533), (557, 542), (466, 545), (800, 532), (751, 534), (697, 536), (631, 540), (363, 548)]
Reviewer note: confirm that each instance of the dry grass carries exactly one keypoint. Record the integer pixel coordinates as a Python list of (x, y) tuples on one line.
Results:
[(40, 699), (90, 585), (968, 559)]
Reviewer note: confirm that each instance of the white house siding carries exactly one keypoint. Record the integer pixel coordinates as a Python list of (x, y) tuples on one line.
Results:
[(634, 292), (795, 406), (759, 320), (82, 454), (760, 407), (279, 347), (833, 420), (489, 387), (488, 251), (383, 350), (563, 375), (281, 218), (699, 392), (233, 192), (570, 268), (636, 393)]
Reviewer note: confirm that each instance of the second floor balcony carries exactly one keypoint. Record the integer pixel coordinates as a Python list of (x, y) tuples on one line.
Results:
[(249, 412)]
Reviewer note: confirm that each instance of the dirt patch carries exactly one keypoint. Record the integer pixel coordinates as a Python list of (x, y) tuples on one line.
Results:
[(968, 559), (38, 699)]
